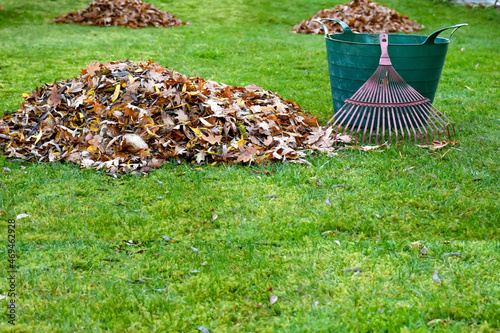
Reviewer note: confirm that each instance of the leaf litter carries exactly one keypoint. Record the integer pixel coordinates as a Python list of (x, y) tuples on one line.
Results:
[(123, 116), (362, 16), (126, 13)]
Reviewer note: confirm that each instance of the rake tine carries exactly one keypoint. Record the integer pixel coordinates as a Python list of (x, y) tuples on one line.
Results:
[(350, 119), (445, 120), (389, 123), (342, 111), (355, 120), (406, 125), (395, 126), (413, 115), (360, 125), (422, 124), (371, 126), (366, 127)]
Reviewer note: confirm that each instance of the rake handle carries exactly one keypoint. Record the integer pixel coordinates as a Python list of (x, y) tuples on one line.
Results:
[(384, 44)]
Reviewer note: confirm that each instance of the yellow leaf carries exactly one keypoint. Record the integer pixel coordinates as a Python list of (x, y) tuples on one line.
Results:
[(157, 89), (241, 142), (38, 137), (184, 87), (26, 95), (91, 92), (116, 93), (151, 133), (196, 131), (91, 149), (131, 79), (1, 85)]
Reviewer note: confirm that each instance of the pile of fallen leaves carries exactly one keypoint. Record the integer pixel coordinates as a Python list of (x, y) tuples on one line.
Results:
[(124, 115), (126, 13), (361, 16)]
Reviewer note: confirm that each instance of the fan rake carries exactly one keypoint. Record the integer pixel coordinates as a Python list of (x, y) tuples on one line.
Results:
[(386, 103)]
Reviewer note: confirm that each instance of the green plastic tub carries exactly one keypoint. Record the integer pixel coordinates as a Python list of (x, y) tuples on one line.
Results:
[(354, 57)]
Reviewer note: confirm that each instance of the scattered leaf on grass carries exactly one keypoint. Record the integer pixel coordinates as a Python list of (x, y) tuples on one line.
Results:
[(455, 254), (203, 329), (3, 297), (272, 299), (214, 217), (327, 201), (166, 238), (415, 245), (439, 145), (194, 249), (435, 277), (423, 250), (5, 170), (21, 216), (437, 321), (354, 269)]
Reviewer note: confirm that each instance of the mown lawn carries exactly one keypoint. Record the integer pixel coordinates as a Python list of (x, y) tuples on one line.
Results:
[(92, 255)]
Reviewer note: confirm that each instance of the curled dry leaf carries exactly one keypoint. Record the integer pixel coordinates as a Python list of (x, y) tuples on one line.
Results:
[(126, 13), (362, 16)]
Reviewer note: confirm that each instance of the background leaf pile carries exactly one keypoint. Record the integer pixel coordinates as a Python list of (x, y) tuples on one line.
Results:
[(124, 115), (361, 16), (127, 13)]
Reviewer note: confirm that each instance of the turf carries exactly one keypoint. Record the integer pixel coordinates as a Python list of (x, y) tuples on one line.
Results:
[(91, 256)]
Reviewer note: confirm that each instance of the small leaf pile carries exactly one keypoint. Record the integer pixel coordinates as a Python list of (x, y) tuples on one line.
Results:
[(126, 13), (362, 16), (124, 115)]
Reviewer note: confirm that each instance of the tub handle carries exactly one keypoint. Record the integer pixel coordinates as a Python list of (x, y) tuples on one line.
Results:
[(432, 37), (345, 27)]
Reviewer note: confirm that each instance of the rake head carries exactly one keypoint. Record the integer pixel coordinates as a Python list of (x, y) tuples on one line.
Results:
[(387, 104)]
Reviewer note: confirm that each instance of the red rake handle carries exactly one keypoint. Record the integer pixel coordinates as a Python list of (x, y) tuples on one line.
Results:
[(384, 58)]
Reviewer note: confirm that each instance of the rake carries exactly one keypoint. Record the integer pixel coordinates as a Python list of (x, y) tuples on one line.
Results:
[(386, 103)]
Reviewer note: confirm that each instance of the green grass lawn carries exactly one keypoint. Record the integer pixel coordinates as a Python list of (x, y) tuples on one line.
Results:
[(91, 256)]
